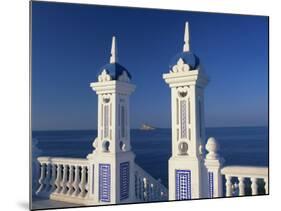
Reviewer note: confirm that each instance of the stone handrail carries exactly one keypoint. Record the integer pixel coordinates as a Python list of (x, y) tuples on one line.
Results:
[(64, 177), (147, 188), (244, 172)]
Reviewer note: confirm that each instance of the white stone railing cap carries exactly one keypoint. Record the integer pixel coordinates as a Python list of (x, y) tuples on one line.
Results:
[(61, 160), (245, 171)]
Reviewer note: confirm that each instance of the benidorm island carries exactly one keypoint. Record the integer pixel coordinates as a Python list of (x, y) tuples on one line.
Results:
[(116, 164)]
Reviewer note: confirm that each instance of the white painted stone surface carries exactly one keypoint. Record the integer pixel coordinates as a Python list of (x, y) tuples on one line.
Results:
[(112, 145), (188, 131)]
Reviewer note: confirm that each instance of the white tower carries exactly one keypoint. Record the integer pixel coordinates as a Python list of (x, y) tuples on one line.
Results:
[(187, 173), (113, 161)]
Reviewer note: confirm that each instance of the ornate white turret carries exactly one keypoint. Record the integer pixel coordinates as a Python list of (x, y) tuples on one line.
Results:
[(187, 171), (113, 89), (112, 156)]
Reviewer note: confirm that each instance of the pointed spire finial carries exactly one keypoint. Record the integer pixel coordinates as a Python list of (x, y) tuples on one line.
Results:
[(186, 38), (113, 57)]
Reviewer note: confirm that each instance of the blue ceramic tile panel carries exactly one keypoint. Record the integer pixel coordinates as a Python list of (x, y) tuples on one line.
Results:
[(104, 182), (124, 180), (183, 184)]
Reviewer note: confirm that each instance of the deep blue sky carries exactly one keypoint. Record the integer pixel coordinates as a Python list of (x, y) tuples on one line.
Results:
[(70, 42)]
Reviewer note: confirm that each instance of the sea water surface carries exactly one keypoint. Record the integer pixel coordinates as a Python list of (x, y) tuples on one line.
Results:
[(238, 146)]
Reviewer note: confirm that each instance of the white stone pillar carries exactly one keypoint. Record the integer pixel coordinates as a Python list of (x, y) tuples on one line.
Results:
[(213, 164)]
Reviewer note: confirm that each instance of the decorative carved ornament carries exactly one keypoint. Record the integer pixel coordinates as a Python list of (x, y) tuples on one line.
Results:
[(180, 67), (104, 76), (106, 98), (182, 91)]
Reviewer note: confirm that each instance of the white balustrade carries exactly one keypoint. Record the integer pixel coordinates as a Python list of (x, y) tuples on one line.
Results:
[(147, 188), (252, 173), (65, 178)]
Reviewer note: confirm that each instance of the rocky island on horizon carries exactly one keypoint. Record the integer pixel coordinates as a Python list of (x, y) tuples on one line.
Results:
[(147, 127)]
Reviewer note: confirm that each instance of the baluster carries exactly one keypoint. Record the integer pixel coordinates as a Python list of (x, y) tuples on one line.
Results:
[(254, 186), (87, 180), (152, 192), (136, 187), (266, 185), (53, 178), (64, 179), (47, 177), (140, 189), (41, 179), (148, 189), (70, 180), (228, 186), (145, 189), (82, 182), (241, 186), (76, 181), (58, 179)]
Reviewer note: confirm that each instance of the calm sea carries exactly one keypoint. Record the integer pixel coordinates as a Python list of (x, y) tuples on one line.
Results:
[(238, 146)]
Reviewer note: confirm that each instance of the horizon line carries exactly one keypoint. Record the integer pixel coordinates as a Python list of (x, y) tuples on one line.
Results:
[(43, 130)]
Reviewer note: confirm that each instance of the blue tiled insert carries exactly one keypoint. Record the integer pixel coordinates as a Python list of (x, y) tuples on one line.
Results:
[(104, 182), (183, 184), (124, 180), (211, 184)]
